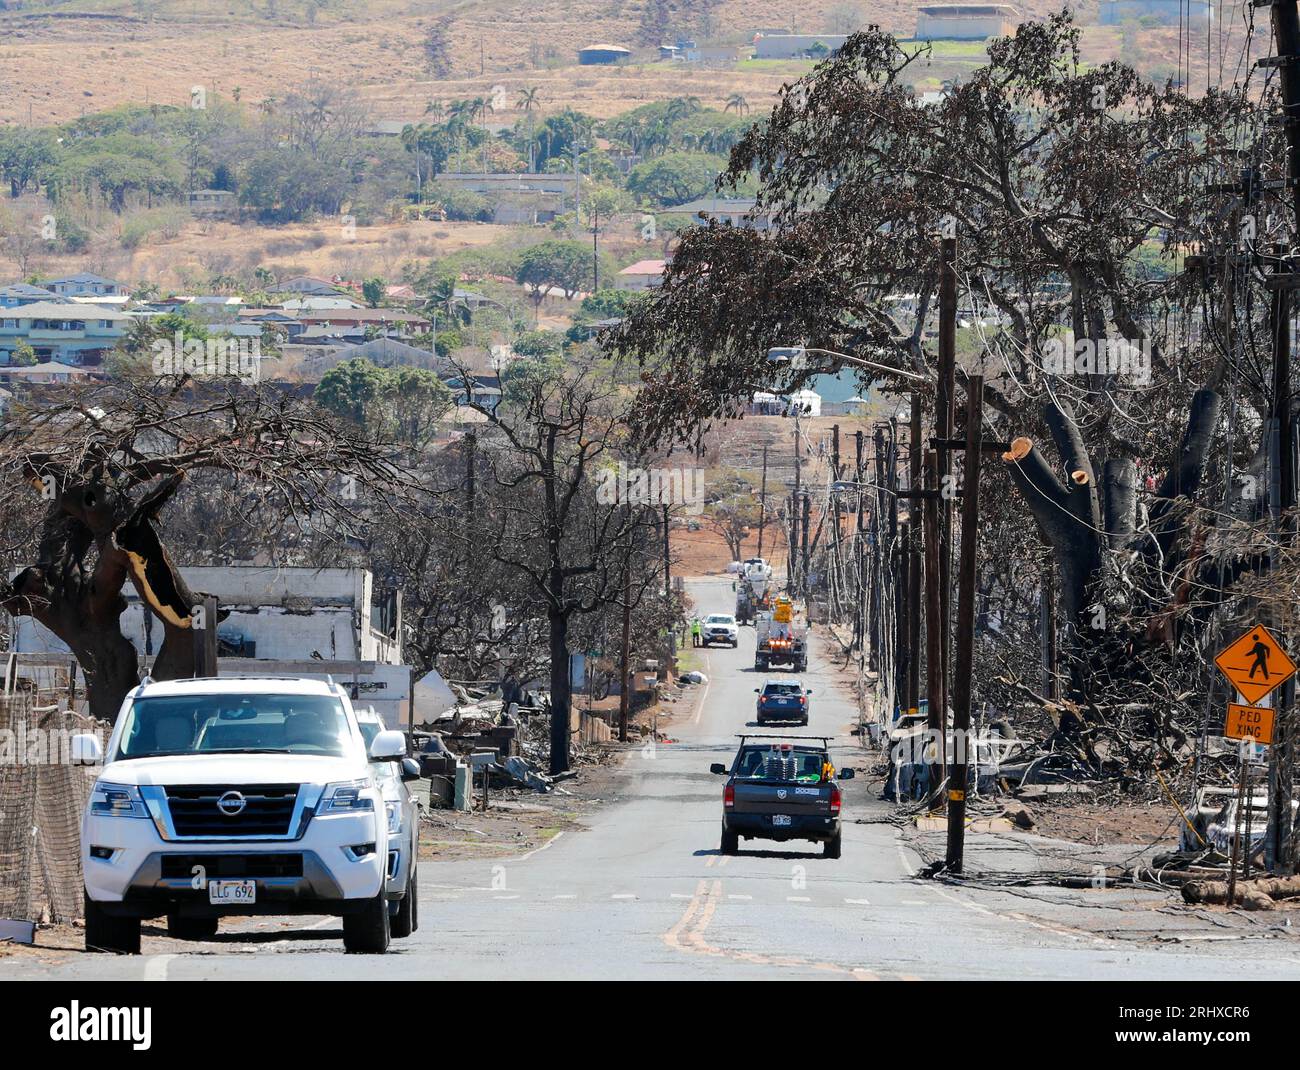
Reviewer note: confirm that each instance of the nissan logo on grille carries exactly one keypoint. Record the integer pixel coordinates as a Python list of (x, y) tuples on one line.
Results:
[(232, 803)]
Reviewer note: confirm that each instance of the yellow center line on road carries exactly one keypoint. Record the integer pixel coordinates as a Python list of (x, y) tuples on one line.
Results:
[(688, 934)]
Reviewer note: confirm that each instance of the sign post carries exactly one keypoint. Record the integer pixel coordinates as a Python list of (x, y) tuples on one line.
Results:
[(1256, 665)]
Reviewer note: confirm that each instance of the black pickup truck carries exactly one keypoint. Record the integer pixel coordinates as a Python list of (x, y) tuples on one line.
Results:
[(782, 788)]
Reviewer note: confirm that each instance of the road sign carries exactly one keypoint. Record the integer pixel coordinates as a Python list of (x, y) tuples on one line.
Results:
[(1249, 722), (1255, 664)]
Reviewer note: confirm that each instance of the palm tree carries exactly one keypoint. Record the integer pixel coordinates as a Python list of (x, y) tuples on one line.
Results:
[(737, 103), (529, 98), (436, 109)]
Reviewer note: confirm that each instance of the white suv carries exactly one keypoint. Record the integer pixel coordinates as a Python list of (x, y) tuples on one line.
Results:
[(232, 797)]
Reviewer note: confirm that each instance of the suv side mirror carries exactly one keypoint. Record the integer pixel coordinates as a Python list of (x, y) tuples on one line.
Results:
[(846, 774), (757, 690), (718, 768), (388, 746), (410, 769), (808, 691), (84, 749)]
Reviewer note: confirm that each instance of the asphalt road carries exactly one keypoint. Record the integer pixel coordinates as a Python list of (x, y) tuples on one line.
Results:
[(643, 893)]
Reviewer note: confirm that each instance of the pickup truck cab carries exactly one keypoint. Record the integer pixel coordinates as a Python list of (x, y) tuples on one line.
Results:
[(781, 788), (237, 796)]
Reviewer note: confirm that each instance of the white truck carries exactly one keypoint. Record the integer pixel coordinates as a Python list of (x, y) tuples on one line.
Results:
[(753, 589), (239, 796), (782, 637)]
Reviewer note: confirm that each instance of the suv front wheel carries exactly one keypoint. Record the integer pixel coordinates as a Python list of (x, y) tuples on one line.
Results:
[(367, 931), (107, 933)]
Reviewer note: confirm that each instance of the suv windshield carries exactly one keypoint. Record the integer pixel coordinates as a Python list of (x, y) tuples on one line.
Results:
[(783, 689), (224, 724), (798, 764), (719, 618)]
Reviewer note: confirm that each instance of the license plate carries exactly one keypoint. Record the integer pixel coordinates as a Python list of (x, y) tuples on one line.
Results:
[(781, 819), (232, 892)]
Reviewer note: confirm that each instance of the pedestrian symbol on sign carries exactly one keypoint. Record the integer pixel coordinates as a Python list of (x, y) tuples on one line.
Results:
[(1255, 664)]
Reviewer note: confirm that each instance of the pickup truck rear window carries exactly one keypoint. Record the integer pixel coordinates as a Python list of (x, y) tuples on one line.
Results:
[(799, 766), (232, 724)]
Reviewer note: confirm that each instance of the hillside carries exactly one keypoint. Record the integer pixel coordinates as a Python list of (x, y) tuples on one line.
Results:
[(155, 51)]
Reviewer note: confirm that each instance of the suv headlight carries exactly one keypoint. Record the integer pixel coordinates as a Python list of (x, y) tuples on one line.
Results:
[(344, 797), (394, 817), (116, 800)]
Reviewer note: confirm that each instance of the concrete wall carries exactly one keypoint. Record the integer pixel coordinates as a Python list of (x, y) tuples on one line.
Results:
[(792, 45), (965, 28)]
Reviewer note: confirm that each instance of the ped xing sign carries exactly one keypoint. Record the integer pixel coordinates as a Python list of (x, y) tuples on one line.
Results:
[(1249, 722), (1255, 664)]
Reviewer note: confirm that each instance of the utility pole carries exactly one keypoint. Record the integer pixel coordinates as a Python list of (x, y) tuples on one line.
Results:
[(945, 401), (803, 545), (625, 654), (762, 503), (937, 708), (914, 563), (961, 683), (595, 248), (1282, 498), (860, 554)]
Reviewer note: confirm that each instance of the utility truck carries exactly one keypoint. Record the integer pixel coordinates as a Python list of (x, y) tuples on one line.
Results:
[(782, 636), (754, 589)]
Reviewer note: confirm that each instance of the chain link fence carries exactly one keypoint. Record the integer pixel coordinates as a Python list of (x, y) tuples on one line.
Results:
[(42, 795)]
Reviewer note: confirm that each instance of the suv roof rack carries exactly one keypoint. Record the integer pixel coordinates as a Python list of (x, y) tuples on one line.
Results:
[(747, 735)]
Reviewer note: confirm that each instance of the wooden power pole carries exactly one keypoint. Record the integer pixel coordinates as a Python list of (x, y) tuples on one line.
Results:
[(964, 662)]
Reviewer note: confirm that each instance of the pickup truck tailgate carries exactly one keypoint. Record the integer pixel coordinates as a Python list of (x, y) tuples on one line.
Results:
[(765, 797)]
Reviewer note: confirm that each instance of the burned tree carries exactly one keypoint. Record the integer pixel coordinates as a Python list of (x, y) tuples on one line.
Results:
[(1073, 192), (95, 471)]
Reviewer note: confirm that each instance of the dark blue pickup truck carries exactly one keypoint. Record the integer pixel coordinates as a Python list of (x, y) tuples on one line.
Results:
[(781, 788), (782, 700)]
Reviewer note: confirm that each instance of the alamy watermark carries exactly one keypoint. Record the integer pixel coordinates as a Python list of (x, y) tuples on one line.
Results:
[(652, 486), (208, 358), (1098, 356)]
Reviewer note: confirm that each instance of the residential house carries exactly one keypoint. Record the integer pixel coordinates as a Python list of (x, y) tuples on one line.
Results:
[(517, 198), (22, 293), (212, 202), (84, 282), (967, 22), (386, 320), (643, 275), (62, 331), (46, 373), (307, 284)]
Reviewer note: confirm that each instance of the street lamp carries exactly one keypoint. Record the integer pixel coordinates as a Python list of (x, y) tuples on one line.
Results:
[(794, 354)]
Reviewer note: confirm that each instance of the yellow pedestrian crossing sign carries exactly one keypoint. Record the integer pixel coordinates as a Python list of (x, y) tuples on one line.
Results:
[(1255, 664)]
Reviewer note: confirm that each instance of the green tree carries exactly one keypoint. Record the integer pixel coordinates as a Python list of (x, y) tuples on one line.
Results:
[(373, 291), (23, 356), (675, 177), (555, 265), (351, 388)]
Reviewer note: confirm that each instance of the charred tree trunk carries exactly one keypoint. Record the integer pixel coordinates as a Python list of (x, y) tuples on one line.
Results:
[(1080, 521), (94, 540), (558, 622)]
